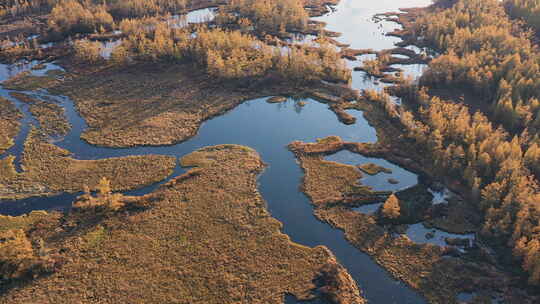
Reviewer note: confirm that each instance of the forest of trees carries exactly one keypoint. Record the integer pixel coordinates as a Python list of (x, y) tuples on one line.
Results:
[(528, 10), (22, 7), (117, 8), (496, 156), (227, 54), (485, 52), (70, 17), (151, 35), (235, 46), (137, 8), (497, 168), (265, 15)]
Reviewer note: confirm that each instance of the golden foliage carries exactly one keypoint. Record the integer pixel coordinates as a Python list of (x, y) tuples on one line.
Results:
[(390, 208), (71, 17), (266, 15)]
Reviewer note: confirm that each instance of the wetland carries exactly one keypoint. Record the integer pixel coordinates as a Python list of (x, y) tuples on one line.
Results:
[(205, 179)]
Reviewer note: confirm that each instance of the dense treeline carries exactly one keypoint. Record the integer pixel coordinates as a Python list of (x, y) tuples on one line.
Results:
[(496, 167), (528, 10), (75, 16), (71, 17), (265, 15), (142, 8), (482, 50), (22, 7), (118, 8), (222, 53)]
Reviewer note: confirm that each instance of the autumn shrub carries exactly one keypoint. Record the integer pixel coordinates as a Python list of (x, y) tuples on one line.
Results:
[(104, 200), (18, 259), (390, 208), (87, 51), (71, 17)]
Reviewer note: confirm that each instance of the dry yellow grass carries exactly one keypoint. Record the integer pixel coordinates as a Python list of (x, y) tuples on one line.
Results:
[(25, 81), (21, 222), (51, 116), (48, 169), (9, 124), (152, 104), (206, 237)]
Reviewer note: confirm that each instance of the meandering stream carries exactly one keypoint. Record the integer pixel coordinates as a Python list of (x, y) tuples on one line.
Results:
[(267, 128)]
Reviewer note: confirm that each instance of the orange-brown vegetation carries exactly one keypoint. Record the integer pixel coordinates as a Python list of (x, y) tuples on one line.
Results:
[(265, 16), (204, 237), (48, 170), (70, 17), (425, 267), (25, 81), (391, 209), (51, 117), (9, 123), (485, 52)]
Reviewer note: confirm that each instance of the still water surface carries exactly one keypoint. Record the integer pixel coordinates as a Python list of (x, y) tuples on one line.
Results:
[(268, 128)]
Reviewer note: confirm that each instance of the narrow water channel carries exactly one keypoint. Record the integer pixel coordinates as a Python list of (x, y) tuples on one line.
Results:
[(267, 128)]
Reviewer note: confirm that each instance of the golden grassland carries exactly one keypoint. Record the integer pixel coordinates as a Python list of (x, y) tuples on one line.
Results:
[(425, 267), (373, 169), (204, 237), (51, 116), (328, 182), (9, 123), (152, 104), (48, 169), (24, 221), (25, 81)]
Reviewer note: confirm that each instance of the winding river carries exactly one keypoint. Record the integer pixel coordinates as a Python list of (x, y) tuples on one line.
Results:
[(268, 128)]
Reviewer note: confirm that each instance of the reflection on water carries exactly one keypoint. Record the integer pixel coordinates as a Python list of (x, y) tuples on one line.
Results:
[(354, 19), (465, 297), (196, 16), (440, 197), (267, 128), (411, 70), (378, 182), (107, 47), (418, 233)]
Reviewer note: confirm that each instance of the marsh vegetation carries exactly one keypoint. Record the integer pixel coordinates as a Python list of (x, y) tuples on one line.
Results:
[(166, 76)]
